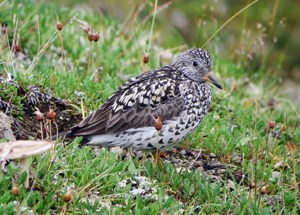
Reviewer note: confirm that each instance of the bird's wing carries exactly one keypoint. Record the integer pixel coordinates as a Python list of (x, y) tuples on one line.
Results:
[(136, 104)]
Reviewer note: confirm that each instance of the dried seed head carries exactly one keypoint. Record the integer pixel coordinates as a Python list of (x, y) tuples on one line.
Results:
[(68, 196), (15, 190), (271, 124), (87, 29), (264, 189), (146, 58), (252, 185), (291, 147), (96, 36), (59, 26), (162, 154), (51, 114), (158, 123), (91, 36), (39, 116), (84, 25), (163, 212), (16, 47)]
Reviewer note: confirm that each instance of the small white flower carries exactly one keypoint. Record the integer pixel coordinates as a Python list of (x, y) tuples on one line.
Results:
[(123, 183)]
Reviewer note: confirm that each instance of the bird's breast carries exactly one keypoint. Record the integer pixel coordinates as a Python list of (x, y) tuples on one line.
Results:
[(197, 98)]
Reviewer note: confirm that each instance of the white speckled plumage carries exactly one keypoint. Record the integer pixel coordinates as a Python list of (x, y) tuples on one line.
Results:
[(177, 93)]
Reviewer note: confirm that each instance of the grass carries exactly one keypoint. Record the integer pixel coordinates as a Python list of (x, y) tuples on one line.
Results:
[(236, 130)]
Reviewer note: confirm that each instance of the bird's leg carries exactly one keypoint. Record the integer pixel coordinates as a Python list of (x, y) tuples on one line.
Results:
[(156, 156), (158, 126)]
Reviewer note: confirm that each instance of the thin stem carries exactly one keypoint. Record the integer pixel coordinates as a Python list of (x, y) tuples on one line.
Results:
[(152, 26), (82, 108), (63, 65), (274, 14), (41, 127), (39, 33), (56, 127), (41, 52), (295, 183), (229, 20), (50, 129), (96, 70), (90, 57)]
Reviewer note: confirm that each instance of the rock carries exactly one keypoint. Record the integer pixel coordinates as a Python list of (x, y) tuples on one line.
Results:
[(280, 164), (182, 152), (117, 150), (275, 175), (5, 127), (212, 155), (237, 158)]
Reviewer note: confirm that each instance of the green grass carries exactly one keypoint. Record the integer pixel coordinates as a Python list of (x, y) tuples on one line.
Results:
[(103, 182)]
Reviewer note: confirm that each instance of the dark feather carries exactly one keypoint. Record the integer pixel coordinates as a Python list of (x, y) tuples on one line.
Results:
[(136, 104)]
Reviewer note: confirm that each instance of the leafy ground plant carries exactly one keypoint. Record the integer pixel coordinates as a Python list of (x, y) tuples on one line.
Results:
[(244, 158)]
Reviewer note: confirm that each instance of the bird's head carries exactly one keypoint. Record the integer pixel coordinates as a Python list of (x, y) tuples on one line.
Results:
[(196, 64)]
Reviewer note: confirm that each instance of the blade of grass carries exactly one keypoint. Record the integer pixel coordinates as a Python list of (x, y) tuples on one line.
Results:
[(228, 21), (152, 26)]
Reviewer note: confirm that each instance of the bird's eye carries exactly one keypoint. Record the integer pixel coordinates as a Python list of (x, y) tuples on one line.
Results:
[(195, 64)]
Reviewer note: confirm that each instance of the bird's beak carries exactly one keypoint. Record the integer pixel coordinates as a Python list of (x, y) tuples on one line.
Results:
[(212, 80)]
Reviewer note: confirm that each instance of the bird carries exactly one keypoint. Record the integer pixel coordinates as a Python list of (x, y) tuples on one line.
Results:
[(154, 110)]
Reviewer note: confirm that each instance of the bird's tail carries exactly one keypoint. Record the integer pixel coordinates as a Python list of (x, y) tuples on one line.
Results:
[(70, 137), (64, 134)]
